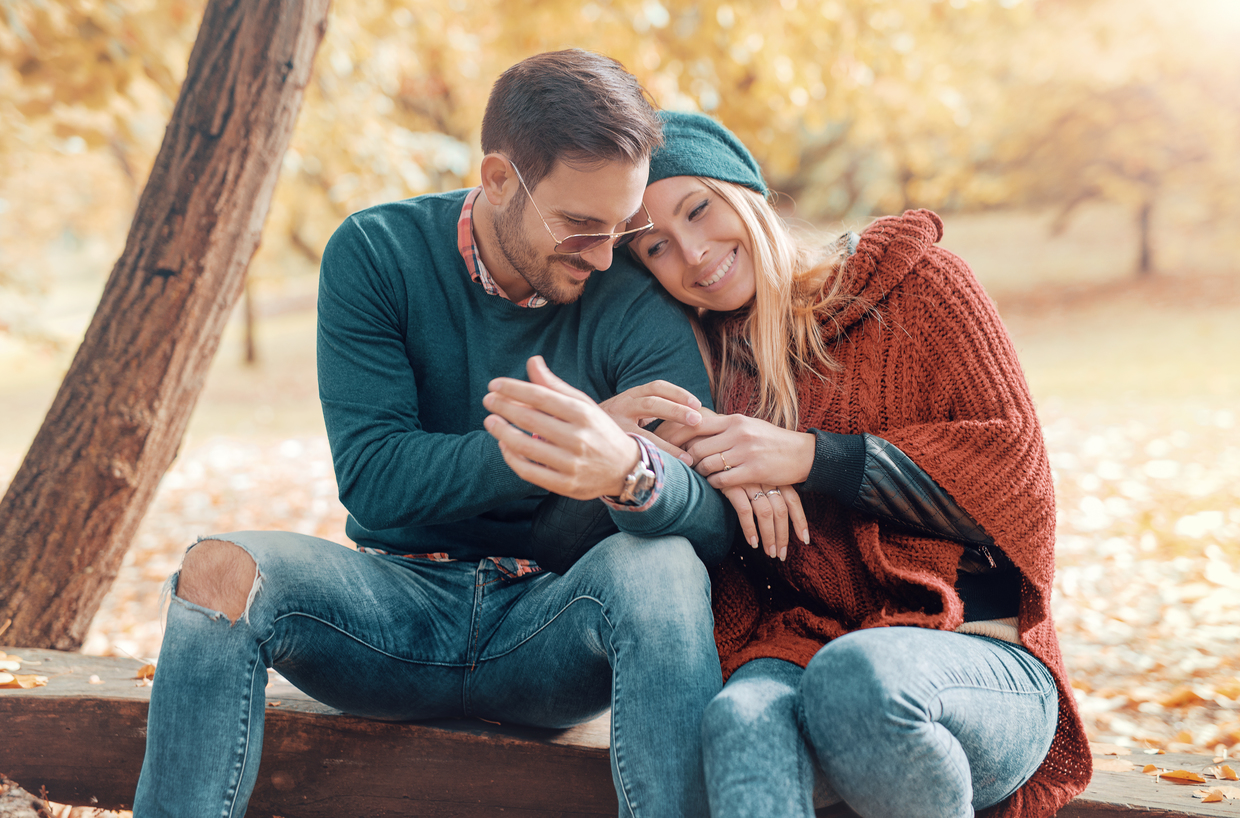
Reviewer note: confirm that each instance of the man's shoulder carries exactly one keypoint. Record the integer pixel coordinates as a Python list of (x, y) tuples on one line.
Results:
[(624, 282), (409, 233), (428, 214)]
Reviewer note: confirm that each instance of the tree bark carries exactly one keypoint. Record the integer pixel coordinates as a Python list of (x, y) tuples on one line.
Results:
[(117, 421), (1145, 250)]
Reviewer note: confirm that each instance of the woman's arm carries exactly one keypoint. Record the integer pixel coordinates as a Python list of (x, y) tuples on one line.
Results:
[(863, 472)]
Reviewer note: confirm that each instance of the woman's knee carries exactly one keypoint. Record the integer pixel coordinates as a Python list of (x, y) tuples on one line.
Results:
[(754, 703), (853, 690), (220, 576)]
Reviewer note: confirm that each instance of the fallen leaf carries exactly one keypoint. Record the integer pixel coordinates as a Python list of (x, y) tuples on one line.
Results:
[(1154, 751), (274, 704), (1183, 775), (95, 680), (1228, 773), (1150, 769), (1221, 792), (22, 681), (1108, 749), (1182, 697), (1211, 797), (146, 672), (10, 665), (1112, 765)]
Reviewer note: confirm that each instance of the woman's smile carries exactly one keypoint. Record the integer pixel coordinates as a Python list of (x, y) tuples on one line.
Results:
[(720, 271)]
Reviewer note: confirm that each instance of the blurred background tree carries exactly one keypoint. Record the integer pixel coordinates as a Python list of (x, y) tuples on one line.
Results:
[(853, 107)]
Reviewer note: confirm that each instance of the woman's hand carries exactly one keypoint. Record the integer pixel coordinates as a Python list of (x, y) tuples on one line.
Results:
[(557, 437), (633, 408), (767, 513), (736, 450)]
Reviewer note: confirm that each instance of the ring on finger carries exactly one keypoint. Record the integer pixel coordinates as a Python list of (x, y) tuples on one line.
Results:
[(774, 491), (758, 495), (726, 467)]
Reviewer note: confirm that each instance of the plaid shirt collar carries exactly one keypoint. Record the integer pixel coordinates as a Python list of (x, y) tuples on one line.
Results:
[(473, 262)]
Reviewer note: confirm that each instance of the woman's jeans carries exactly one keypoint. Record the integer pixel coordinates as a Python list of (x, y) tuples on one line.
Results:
[(628, 627), (897, 722)]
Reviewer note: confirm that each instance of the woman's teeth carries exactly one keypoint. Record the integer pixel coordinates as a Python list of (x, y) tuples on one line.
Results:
[(721, 272)]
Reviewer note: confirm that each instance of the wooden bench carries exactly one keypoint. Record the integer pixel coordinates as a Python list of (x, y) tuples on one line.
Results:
[(84, 742)]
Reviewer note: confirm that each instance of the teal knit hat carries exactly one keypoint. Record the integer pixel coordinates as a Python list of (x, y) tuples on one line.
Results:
[(696, 145)]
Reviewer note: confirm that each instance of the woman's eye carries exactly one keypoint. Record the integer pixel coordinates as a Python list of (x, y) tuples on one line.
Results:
[(654, 249), (696, 212)]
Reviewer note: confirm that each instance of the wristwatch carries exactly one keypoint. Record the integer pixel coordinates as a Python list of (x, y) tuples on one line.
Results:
[(638, 483)]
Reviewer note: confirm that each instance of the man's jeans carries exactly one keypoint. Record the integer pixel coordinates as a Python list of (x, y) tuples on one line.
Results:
[(628, 627), (898, 722)]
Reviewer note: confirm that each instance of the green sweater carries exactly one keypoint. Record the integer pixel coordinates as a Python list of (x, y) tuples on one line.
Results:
[(407, 343)]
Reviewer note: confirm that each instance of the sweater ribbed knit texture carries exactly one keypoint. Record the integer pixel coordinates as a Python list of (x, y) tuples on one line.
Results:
[(928, 366), (407, 344)]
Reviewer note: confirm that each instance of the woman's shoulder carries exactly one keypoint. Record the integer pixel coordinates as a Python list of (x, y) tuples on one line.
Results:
[(886, 253), (899, 242)]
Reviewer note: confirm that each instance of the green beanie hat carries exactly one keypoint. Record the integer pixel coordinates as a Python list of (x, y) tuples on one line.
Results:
[(696, 145)]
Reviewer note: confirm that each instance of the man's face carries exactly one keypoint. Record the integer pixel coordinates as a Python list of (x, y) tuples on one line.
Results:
[(600, 199)]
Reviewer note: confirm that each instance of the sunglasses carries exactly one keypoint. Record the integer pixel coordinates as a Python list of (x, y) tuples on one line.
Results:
[(581, 242)]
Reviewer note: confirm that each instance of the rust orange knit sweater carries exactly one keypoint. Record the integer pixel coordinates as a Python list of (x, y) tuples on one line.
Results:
[(928, 366)]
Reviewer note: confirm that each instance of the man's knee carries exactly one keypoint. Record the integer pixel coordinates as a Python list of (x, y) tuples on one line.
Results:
[(220, 576), (661, 576)]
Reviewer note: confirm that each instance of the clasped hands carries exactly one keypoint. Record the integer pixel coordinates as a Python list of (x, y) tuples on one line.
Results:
[(557, 437)]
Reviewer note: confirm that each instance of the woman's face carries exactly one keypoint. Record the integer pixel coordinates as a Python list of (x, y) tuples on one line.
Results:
[(699, 249)]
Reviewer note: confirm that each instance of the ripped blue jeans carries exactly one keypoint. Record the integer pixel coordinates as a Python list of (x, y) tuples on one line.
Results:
[(385, 637), (897, 722)]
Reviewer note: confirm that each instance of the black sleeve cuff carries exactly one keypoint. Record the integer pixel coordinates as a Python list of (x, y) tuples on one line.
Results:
[(839, 465)]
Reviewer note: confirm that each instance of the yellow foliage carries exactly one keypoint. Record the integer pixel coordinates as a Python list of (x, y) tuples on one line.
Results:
[(853, 107)]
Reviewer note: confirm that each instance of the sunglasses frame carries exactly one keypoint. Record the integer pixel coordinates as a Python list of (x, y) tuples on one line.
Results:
[(623, 238)]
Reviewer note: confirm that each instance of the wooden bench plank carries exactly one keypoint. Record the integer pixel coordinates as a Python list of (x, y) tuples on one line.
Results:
[(84, 740)]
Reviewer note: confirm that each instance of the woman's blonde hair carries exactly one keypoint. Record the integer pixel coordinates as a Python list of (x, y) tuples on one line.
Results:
[(798, 283)]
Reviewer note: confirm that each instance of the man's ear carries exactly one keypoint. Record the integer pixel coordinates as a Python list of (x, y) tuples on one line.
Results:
[(499, 183)]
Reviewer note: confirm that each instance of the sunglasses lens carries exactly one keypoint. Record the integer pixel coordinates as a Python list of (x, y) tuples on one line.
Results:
[(579, 244)]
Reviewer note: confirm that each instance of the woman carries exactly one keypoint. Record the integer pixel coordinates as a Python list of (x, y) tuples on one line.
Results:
[(899, 644)]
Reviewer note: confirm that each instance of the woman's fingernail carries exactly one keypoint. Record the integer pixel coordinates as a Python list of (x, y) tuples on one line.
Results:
[(753, 542), (693, 419), (783, 554), (805, 536), (687, 460)]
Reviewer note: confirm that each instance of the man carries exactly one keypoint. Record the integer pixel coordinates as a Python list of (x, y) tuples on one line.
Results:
[(439, 613)]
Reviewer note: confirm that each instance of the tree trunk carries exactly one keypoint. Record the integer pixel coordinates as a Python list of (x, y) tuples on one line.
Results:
[(117, 421), (1145, 257), (247, 304)]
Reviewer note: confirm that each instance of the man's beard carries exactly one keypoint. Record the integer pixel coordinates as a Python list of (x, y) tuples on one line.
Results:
[(537, 271)]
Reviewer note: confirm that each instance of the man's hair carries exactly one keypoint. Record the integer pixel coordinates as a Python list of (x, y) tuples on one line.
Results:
[(574, 106)]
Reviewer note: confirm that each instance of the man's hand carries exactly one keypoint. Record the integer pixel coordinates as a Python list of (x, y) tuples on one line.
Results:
[(633, 408), (556, 437)]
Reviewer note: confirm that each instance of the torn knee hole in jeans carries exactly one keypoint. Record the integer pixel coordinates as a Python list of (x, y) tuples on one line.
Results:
[(171, 587)]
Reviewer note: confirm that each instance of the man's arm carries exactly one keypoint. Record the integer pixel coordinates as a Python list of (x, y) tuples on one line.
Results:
[(557, 437), (391, 472)]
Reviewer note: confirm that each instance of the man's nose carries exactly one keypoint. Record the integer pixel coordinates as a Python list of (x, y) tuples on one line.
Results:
[(600, 257)]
